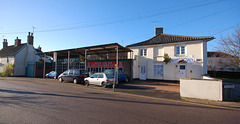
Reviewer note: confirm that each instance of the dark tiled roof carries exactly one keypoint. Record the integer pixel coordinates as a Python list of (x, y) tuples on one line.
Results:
[(167, 38), (218, 54), (10, 50)]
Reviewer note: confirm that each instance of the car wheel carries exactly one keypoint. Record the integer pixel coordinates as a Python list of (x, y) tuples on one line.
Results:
[(75, 81), (86, 83), (104, 84), (60, 80), (126, 80)]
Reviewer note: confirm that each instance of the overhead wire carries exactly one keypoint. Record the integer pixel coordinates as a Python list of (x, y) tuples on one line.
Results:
[(122, 21)]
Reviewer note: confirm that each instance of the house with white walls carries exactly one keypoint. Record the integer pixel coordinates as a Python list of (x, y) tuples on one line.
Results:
[(20, 55), (188, 57)]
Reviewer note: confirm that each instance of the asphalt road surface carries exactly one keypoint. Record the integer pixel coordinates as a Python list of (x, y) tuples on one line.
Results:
[(43, 101)]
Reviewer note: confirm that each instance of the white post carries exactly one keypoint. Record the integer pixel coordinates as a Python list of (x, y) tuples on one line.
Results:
[(55, 56), (116, 71), (68, 59)]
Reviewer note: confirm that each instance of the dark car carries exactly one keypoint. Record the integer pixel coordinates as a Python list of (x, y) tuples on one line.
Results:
[(52, 74), (121, 75), (74, 75)]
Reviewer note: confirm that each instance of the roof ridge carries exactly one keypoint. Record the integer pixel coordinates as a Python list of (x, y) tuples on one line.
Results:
[(169, 38), (186, 36)]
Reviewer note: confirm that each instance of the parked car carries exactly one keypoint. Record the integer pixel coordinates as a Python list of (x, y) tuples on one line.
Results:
[(52, 74), (74, 75), (121, 75), (101, 79)]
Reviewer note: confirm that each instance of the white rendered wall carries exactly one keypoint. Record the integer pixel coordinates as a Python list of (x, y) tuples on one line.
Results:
[(19, 66), (201, 89), (5, 61), (171, 71)]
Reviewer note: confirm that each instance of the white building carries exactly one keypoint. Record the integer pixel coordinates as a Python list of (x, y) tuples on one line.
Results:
[(188, 57), (20, 55)]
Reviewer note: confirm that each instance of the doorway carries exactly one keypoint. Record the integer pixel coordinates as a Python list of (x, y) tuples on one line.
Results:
[(143, 75), (182, 71)]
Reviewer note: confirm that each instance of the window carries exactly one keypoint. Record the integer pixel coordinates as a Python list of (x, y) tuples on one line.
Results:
[(100, 76), (70, 72), (65, 73), (158, 70), (143, 52), (182, 67), (180, 50), (77, 72), (94, 75)]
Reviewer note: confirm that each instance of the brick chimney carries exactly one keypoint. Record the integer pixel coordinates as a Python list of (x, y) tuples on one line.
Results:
[(158, 31), (5, 43), (30, 38), (17, 42)]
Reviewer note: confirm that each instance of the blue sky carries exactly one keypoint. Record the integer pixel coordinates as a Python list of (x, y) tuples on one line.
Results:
[(65, 24)]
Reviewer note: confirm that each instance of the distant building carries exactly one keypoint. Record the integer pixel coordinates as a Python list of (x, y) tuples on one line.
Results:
[(20, 55), (188, 57), (219, 61)]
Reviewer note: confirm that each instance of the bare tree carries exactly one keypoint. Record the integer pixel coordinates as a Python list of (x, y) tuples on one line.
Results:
[(230, 45)]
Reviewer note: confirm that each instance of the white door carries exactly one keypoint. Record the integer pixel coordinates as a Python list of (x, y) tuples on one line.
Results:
[(182, 71), (143, 75)]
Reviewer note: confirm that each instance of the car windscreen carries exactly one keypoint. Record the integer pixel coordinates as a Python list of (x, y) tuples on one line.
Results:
[(77, 72), (110, 76), (108, 71)]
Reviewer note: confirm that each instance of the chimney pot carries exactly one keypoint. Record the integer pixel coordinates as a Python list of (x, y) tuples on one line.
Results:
[(158, 31), (30, 38), (17, 42), (5, 43)]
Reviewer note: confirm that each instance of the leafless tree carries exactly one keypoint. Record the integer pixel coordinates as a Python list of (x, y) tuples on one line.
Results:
[(230, 45)]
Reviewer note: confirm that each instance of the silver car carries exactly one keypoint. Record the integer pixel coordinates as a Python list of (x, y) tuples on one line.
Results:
[(100, 79)]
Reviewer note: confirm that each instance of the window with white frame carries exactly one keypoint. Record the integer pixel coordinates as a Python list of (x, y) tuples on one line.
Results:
[(180, 50), (143, 52), (158, 70)]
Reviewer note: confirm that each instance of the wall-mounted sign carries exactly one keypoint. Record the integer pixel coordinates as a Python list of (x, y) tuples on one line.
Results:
[(105, 64), (185, 59)]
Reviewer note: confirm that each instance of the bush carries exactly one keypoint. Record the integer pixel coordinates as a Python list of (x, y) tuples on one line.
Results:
[(2, 74), (167, 59), (8, 71)]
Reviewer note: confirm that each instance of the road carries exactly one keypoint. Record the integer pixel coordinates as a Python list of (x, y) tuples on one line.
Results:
[(43, 101)]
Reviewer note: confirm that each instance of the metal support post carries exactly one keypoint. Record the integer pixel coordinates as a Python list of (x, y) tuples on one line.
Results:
[(85, 59), (44, 66), (68, 59)]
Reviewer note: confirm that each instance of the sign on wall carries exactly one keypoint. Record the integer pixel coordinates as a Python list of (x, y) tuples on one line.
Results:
[(104, 64), (186, 59)]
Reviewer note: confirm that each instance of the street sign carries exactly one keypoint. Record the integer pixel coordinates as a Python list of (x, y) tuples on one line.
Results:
[(229, 86)]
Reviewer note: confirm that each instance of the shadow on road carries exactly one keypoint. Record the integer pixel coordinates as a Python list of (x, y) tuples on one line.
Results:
[(4, 100)]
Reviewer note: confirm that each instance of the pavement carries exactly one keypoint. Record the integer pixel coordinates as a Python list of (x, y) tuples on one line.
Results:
[(168, 90), (164, 90)]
